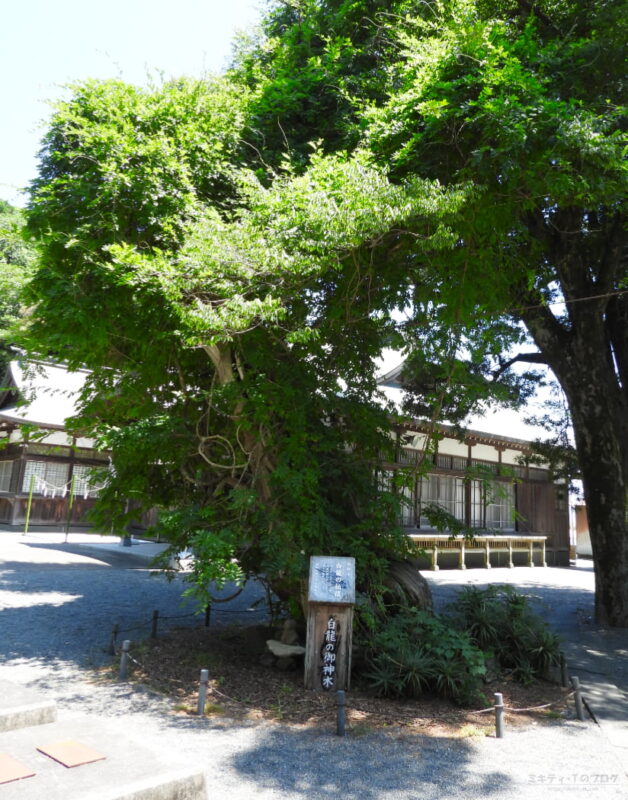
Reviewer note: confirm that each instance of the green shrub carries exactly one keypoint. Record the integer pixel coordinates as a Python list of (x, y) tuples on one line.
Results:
[(499, 620), (415, 652)]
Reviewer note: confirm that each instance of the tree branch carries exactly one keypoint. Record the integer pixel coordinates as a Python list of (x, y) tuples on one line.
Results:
[(532, 358)]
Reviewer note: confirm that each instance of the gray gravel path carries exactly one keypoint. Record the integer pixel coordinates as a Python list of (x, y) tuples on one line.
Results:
[(62, 600), (58, 608)]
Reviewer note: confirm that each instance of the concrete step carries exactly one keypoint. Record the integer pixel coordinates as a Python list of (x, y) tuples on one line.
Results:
[(20, 708), (127, 770)]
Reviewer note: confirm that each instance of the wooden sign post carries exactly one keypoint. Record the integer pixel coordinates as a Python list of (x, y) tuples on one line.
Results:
[(331, 598)]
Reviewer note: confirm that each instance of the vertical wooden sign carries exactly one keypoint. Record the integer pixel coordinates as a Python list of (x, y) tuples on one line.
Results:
[(331, 598)]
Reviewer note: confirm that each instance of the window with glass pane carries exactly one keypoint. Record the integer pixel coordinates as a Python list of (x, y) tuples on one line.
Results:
[(451, 496), (49, 476), (6, 469), (444, 491), (492, 505), (408, 506), (428, 494), (499, 508), (478, 505), (384, 480), (84, 481)]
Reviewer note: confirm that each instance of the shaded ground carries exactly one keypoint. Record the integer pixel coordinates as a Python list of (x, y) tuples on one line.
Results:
[(243, 688)]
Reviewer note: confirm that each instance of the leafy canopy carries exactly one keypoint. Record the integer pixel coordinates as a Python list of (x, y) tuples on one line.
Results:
[(230, 282), (220, 329)]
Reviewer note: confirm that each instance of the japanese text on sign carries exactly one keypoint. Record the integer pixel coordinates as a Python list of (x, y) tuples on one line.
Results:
[(329, 652), (332, 580)]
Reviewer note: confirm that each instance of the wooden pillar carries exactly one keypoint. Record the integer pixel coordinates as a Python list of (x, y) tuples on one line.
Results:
[(531, 553), (435, 566), (19, 470), (461, 560), (468, 489), (500, 449)]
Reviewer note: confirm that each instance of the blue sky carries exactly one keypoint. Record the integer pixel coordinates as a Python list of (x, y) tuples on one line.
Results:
[(48, 43)]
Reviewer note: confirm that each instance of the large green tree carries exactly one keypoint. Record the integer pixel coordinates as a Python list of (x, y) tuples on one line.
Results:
[(220, 322), (526, 103), (463, 197)]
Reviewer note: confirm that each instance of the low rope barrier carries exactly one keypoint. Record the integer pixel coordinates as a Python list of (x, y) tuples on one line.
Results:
[(536, 708), (135, 661), (152, 625), (500, 709), (530, 708)]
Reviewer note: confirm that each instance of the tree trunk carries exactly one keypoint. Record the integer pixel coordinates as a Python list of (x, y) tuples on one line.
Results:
[(582, 359), (598, 424)]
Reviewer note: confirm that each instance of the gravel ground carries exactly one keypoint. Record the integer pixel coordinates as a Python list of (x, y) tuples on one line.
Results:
[(58, 609)]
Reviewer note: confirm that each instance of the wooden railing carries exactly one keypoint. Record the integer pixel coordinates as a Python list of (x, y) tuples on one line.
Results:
[(435, 543)]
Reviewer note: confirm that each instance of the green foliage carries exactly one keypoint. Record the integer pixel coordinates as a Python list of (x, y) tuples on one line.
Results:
[(311, 73), (526, 102), (411, 653), (17, 261), (229, 283), (217, 336), (499, 620), (415, 652), (132, 167)]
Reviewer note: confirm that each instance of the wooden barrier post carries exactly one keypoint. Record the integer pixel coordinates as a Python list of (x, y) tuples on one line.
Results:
[(578, 698), (124, 660), (499, 715), (329, 623), (202, 692)]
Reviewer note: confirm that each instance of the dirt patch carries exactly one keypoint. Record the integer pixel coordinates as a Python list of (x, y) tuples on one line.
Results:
[(241, 687)]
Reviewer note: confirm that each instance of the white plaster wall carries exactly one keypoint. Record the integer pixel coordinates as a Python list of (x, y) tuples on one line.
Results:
[(452, 447), (511, 457), (57, 437), (485, 452)]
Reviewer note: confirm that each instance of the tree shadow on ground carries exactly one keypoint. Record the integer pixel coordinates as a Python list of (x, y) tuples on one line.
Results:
[(316, 764), (124, 558), (66, 612)]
